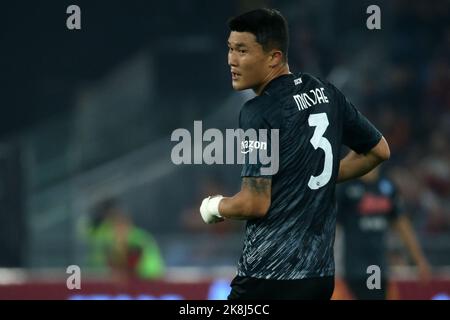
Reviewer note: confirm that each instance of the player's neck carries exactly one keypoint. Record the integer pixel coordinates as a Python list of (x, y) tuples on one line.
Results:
[(274, 73)]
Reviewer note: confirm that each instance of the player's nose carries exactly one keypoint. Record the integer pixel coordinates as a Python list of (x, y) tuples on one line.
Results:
[(232, 61)]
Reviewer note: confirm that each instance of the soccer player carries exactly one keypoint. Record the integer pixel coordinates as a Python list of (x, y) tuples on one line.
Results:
[(291, 214), (366, 208)]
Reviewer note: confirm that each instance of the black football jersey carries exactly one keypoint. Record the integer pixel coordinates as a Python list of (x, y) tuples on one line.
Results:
[(295, 239)]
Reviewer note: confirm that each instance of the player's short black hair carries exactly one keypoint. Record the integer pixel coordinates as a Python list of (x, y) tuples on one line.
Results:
[(268, 25)]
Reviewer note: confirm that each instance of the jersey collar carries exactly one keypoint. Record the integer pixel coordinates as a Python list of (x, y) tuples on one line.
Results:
[(275, 82)]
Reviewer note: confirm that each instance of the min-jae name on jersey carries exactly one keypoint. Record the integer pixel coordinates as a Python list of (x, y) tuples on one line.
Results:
[(305, 100)]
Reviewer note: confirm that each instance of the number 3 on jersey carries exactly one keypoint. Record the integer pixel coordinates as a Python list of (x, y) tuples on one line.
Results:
[(320, 122)]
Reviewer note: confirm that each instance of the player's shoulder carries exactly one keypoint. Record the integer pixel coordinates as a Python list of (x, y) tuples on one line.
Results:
[(262, 106), (310, 81), (308, 78), (257, 103)]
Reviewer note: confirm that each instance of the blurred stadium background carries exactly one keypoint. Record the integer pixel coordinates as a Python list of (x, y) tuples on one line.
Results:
[(87, 115)]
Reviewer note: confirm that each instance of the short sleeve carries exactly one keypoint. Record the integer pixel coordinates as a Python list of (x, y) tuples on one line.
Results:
[(358, 133)]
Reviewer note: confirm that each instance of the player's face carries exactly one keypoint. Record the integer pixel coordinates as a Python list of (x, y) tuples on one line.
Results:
[(249, 63)]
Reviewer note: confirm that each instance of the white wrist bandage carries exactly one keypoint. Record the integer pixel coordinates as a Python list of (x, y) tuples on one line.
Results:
[(210, 209)]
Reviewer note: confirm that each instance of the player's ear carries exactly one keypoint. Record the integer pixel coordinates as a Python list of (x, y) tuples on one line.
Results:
[(276, 57)]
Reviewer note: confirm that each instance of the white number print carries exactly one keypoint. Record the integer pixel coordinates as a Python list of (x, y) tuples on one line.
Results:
[(320, 121)]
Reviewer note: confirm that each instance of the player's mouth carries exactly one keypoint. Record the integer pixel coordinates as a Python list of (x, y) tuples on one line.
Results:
[(235, 76)]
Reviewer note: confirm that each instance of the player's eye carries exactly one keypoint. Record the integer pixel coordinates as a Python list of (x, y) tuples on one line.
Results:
[(242, 51)]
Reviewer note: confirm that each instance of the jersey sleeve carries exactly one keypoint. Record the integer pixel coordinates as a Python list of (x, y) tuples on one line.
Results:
[(358, 133), (255, 149)]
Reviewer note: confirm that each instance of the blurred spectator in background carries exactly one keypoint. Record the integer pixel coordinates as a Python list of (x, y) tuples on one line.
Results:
[(366, 208), (120, 246)]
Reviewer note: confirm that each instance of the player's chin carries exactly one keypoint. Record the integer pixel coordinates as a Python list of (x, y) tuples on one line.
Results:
[(238, 86)]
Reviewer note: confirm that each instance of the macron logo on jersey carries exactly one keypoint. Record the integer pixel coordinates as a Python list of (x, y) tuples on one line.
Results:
[(297, 81), (305, 100)]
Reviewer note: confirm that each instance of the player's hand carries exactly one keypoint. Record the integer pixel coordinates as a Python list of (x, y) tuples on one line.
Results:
[(210, 209)]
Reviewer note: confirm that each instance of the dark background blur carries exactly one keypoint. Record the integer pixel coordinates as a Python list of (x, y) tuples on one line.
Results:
[(87, 114)]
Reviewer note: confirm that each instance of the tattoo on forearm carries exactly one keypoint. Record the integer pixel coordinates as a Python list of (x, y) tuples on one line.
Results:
[(257, 185)]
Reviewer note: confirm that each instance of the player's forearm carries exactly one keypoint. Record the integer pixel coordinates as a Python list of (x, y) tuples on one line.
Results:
[(252, 202), (238, 208), (355, 165)]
